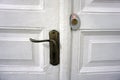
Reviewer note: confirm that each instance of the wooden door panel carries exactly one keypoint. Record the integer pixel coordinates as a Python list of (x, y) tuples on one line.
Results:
[(17, 52), (103, 15), (100, 5), (96, 56), (21, 4), (100, 51), (96, 44), (21, 59), (32, 13), (100, 21)]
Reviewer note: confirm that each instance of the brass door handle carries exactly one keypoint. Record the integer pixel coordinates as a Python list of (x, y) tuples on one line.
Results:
[(54, 46)]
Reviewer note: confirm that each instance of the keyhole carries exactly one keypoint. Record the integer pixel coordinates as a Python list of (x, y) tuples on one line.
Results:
[(53, 32)]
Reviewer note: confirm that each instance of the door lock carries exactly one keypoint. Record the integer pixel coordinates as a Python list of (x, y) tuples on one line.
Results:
[(74, 22), (54, 46)]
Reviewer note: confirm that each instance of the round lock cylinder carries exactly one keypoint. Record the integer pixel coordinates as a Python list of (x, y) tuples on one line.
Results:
[(74, 22)]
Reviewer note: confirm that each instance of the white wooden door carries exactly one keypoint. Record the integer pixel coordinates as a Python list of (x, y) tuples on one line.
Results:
[(20, 20), (96, 45)]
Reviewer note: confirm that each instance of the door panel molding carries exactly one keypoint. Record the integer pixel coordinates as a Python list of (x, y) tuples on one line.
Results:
[(100, 51), (21, 5), (28, 56)]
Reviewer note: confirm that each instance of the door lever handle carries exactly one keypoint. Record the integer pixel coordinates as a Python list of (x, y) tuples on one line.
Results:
[(37, 41), (54, 46), (47, 40)]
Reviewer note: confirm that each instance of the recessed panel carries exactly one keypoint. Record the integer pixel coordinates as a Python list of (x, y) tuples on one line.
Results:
[(18, 53), (105, 51), (101, 5), (20, 2), (15, 50), (100, 51)]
